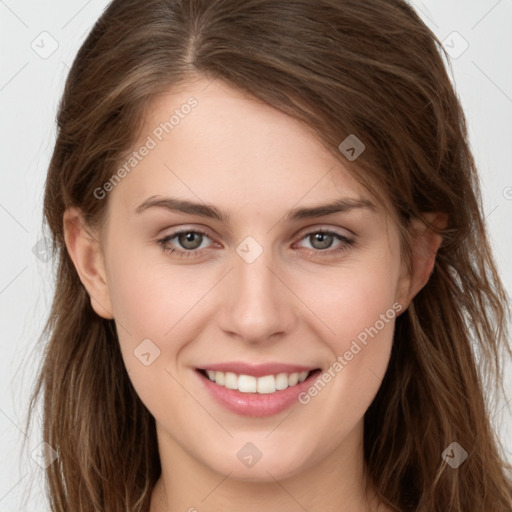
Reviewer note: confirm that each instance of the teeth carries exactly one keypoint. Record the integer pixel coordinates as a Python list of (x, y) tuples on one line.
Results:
[(263, 385), (230, 381)]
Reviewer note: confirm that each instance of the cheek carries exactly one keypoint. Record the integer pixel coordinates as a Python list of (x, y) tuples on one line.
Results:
[(150, 296), (358, 306), (352, 298), (157, 301), (150, 305)]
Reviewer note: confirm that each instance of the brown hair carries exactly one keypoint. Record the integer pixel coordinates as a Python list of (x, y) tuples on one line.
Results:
[(343, 67)]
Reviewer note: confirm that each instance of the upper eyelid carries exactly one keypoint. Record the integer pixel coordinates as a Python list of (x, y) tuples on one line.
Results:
[(178, 230), (322, 228)]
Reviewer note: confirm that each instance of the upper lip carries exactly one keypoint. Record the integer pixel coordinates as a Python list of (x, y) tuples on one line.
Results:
[(256, 370)]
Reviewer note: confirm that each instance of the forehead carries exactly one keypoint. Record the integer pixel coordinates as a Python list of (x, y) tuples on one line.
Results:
[(210, 142)]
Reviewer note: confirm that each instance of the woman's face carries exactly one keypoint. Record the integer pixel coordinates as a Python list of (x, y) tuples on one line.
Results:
[(261, 275)]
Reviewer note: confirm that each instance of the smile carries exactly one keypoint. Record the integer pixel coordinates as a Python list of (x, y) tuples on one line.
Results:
[(256, 390)]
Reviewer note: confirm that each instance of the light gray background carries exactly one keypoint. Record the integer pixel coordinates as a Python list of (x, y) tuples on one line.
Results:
[(31, 82)]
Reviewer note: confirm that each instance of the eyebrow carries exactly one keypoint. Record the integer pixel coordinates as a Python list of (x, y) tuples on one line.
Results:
[(206, 210)]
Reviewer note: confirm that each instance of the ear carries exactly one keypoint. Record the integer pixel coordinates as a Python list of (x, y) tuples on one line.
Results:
[(425, 243), (84, 250)]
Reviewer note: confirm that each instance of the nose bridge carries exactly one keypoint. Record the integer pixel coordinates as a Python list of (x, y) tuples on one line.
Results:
[(256, 304)]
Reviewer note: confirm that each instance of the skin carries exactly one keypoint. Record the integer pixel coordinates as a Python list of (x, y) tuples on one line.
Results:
[(289, 305)]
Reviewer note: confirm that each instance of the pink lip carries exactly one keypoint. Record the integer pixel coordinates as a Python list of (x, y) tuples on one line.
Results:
[(255, 404), (256, 370)]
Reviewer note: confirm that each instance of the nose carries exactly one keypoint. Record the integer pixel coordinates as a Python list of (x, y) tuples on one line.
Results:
[(256, 304)]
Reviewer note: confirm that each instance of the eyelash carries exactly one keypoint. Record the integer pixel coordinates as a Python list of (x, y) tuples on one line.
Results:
[(345, 245)]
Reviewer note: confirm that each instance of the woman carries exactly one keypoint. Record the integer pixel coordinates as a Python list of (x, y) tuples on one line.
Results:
[(272, 267)]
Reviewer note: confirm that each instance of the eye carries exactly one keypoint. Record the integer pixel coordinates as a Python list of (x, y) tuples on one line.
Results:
[(185, 243), (188, 243), (322, 242)]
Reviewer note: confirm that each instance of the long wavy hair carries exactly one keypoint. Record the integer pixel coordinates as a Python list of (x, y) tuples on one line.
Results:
[(343, 67)]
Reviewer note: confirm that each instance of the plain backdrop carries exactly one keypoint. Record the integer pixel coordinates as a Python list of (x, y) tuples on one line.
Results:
[(39, 41)]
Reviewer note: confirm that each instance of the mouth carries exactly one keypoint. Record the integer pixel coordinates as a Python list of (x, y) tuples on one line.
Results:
[(262, 385)]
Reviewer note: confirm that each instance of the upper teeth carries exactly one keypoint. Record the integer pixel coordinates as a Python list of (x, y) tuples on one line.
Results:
[(250, 384)]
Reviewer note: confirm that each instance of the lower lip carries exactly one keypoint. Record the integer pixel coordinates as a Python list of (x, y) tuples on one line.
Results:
[(256, 404)]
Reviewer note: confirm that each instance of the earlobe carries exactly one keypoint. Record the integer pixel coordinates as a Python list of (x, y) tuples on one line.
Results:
[(84, 250), (425, 243)]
